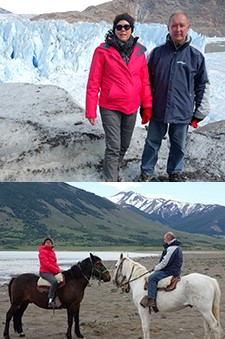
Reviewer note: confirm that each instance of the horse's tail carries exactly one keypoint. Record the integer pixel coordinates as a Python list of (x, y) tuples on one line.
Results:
[(9, 288), (216, 300)]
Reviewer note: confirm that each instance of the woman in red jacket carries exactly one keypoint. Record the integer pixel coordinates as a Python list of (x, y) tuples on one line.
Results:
[(49, 267), (119, 72)]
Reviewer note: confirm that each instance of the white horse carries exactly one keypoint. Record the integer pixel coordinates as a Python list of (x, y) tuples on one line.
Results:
[(194, 289)]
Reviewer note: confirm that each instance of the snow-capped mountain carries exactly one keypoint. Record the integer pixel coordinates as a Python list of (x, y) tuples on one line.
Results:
[(159, 206), (193, 218)]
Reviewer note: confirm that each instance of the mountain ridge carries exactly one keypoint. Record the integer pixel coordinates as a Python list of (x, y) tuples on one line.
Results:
[(78, 219), (150, 11), (73, 217), (177, 215)]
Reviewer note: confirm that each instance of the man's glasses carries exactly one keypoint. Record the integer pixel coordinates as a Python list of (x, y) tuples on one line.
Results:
[(119, 27)]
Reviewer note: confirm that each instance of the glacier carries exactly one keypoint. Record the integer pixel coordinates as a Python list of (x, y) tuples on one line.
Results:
[(58, 53), (50, 46)]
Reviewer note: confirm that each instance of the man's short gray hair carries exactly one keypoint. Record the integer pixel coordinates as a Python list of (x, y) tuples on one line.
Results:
[(179, 12)]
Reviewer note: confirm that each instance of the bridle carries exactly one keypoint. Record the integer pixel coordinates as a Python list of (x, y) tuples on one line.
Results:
[(93, 270), (125, 284)]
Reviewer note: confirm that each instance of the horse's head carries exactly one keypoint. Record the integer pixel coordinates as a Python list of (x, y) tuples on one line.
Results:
[(119, 276), (98, 269)]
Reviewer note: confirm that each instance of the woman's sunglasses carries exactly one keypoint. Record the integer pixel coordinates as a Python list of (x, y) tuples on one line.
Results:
[(119, 27)]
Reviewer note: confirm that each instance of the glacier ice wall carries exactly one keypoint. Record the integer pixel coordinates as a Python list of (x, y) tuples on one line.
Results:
[(30, 51)]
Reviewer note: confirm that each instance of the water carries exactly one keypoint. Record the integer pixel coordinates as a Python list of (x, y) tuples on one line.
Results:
[(214, 45), (14, 263)]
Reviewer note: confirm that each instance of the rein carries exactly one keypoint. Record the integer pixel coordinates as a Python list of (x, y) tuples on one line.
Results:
[(83, 273), (127, 283), (93, 269)]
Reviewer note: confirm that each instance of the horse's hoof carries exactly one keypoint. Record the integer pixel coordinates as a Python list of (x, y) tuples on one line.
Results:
[(21, 335)]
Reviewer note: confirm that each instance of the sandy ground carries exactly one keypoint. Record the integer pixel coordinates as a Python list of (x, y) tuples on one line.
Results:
[(108, 313)]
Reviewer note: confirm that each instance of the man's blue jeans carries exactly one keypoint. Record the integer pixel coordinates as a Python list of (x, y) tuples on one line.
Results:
[(152, 282), (156, 132)]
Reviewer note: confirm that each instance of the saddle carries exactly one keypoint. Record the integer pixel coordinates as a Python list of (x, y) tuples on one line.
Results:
[(43, 285), (167, 284)]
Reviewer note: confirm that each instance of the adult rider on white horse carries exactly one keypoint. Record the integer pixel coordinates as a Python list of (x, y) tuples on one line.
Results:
[(169, 264)]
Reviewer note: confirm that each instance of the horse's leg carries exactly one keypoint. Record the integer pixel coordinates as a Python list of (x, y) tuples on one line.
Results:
[(77, 322), (70, 322), (17, 319), (73, 313), (9, 316), (145, 321), (211, 325), (207, 330)]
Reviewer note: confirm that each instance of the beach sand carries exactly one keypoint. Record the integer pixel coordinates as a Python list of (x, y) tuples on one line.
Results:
[(108, 313)]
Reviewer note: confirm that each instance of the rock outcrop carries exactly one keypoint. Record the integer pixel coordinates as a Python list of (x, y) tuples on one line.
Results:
[(45, 137), (207, 17)]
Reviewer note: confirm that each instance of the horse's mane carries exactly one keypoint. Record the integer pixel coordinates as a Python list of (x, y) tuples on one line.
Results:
[(138, 268), (72, 273), (75, 272)]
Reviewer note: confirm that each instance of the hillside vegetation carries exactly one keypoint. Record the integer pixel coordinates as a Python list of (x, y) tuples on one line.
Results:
[(77, 219)]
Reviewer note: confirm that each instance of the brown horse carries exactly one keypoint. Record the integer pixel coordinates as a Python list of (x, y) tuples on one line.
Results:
[(23, 290)]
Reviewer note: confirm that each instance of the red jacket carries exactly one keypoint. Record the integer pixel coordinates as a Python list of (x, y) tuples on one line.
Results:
[(122, 87), (48, 261)]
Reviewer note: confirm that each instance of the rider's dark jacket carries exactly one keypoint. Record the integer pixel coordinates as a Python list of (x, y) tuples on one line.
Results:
[(171, 259)]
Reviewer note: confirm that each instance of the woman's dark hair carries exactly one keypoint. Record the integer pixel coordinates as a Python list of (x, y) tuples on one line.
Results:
[(124, 16), (47, 239)]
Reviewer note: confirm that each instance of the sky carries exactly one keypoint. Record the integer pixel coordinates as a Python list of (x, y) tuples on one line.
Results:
[(191, 192), (43, 6)]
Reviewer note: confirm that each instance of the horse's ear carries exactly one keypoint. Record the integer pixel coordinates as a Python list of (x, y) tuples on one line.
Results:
[(91, 255), (121, 256)]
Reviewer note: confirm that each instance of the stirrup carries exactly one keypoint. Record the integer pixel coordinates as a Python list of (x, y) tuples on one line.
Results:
[(51, 304), (155, 309)]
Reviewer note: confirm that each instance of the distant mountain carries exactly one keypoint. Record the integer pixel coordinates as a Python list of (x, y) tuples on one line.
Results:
[(4, 11), (76, 219), (73, 217), (207, 17), (191, 218)]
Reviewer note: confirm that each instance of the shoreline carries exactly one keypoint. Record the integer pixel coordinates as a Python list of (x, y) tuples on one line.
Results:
[(11, 266)]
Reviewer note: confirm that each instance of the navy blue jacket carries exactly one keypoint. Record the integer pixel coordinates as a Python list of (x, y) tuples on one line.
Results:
[(179, 83), (171, 259)]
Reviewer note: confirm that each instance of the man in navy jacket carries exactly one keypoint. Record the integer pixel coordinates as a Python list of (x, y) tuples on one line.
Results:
[(180, 89), (170, 264)]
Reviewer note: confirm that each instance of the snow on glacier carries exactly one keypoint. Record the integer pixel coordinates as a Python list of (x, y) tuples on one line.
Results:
[(59, 53)]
